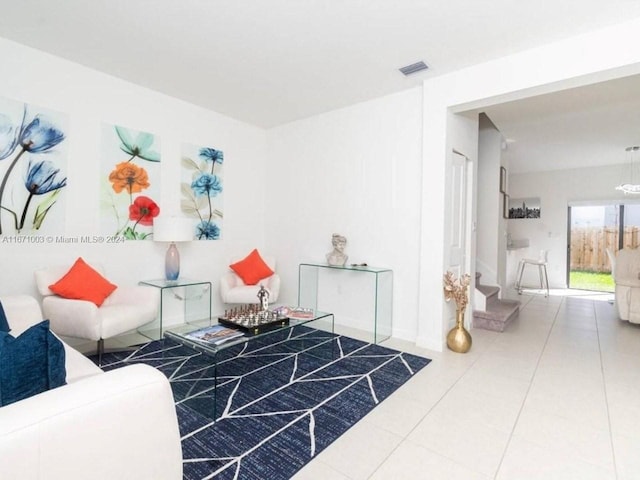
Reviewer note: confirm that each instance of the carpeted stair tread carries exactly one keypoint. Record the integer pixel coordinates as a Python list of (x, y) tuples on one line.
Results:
[(498, 315), (488, 290), (500, 307)]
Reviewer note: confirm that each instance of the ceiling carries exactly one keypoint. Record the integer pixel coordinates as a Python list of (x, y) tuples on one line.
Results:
[(580, 127), (272, 62)]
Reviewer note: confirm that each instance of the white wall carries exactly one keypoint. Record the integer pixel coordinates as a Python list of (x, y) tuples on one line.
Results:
[(354, 171), (89, 98), (556, 189), (490, 232)]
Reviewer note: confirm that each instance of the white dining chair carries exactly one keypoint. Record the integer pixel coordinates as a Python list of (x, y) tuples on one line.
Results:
[(541, 263)]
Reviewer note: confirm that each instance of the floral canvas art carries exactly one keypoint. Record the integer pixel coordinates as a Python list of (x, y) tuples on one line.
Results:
[(130, 182), (33, 162), (202, 189)]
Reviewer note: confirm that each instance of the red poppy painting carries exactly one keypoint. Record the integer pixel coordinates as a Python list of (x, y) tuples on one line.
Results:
[(143, 210)]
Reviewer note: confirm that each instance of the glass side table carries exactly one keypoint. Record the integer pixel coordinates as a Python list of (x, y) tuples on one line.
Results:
[(309, 277), (195, 294)]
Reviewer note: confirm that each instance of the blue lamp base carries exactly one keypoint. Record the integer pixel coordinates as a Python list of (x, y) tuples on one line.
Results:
[(172, 263)]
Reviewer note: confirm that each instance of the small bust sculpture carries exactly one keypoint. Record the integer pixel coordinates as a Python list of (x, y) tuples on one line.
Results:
[(337, 256), (263, 296)]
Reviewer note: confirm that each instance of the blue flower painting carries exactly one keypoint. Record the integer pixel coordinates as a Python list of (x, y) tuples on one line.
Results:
[(202, 189), (33, 158)]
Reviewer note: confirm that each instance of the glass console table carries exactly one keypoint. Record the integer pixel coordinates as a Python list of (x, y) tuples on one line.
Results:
[(311, 277), (195, 294)]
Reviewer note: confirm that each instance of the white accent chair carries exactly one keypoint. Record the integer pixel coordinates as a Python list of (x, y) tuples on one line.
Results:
[(541, 263), (234, 291), (127, 308), (626, 275)]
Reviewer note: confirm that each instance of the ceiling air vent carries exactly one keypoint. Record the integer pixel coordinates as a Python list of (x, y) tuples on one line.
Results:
[(414, 68)]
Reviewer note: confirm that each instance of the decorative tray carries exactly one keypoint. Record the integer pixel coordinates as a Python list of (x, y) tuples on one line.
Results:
[(254, 322)]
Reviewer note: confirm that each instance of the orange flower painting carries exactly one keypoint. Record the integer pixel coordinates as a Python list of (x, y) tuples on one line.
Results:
[(129, 177), (130, 187)]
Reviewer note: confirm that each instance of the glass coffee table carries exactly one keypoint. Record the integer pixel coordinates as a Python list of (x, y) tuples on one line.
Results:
[(209, 382)]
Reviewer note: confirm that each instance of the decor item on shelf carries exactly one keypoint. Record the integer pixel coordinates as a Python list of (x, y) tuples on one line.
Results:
[(630, 184), (458, 338), (337, 257), (172, 229), (263, 296)]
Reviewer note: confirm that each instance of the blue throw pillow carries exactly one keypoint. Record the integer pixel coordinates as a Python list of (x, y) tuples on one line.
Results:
[(30, 364), (4, 324)]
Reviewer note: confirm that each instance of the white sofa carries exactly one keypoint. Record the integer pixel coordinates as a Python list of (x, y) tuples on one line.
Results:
[(116, 425), (626, 275)]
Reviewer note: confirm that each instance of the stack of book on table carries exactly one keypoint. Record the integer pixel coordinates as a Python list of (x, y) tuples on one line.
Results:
[(215, 334)]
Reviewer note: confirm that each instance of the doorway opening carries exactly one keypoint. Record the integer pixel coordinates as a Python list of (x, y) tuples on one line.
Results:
[(595, 232)]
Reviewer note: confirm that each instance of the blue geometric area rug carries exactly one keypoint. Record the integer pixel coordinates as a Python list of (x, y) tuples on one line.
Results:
[(279, 400)]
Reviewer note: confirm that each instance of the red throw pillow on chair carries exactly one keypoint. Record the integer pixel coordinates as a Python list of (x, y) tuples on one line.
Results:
[(82, 282), (252, 268)]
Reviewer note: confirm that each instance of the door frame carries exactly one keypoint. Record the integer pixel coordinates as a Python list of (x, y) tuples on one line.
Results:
[(467, 225), (595, 203)]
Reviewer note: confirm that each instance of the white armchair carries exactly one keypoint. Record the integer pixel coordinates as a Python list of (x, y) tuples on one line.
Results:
[(127, 308), (626, 275), (234, 291)]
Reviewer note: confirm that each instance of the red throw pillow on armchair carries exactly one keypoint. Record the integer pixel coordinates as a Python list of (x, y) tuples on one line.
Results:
[(252, 268), (82, 282)]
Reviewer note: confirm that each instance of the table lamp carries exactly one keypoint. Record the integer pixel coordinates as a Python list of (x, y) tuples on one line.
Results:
[(172, 229)]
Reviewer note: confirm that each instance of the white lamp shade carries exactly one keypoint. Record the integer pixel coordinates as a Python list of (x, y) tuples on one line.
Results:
[(172, 229)]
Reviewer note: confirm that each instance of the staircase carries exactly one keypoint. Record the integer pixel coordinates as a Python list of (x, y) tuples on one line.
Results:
[(497, 313)]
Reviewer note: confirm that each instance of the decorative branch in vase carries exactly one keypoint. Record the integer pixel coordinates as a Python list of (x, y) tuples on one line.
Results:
[(458, 338)]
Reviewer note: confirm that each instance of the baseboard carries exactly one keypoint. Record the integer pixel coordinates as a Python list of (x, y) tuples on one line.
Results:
[(430, 344)]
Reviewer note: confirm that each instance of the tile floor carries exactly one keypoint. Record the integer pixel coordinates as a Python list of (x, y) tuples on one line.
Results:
[(555, 396)]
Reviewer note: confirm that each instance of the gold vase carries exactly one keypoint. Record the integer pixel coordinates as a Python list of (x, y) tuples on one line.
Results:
[(458, 338)]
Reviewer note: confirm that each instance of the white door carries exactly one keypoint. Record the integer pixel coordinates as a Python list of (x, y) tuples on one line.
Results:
[(458, 215)]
